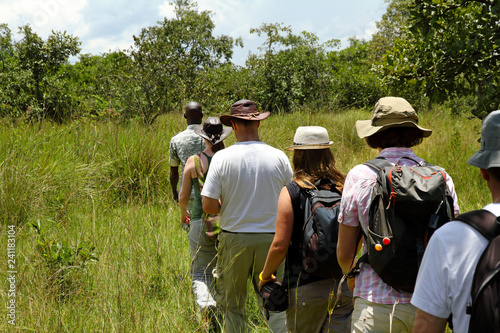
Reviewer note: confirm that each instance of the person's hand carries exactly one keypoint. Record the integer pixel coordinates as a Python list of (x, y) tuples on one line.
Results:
[(185, 219), (211, 235), (271, 279)]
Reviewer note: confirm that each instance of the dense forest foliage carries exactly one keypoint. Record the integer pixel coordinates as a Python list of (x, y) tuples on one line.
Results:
[(427, 51)]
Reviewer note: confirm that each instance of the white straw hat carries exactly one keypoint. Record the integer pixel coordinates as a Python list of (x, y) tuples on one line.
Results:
[(310, 137)]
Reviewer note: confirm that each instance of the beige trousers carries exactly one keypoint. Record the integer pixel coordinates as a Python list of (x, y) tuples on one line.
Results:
[(242, 256), (310, 308), (382, 318)]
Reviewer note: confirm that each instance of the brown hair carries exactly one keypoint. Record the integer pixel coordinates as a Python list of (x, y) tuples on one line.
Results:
[(218, 146), (406, 137), (312, 165)]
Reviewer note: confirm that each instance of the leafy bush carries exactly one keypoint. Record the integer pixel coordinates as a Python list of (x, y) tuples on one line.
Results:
[(64, 263)]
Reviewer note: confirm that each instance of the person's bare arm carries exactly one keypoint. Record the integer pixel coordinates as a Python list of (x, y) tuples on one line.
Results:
[(185, 192), (174, 180), (427, 323), (210, 206), (284, 229), (347, 249), (346, 246)]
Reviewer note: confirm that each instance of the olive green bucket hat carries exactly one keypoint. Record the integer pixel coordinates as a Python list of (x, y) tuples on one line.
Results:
[(390, 112)]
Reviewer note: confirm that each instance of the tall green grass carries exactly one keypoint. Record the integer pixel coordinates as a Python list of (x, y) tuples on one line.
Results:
[(100, 190)]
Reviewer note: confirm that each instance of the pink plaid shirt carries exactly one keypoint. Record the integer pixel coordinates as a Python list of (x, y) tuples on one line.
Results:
[(354, 210)]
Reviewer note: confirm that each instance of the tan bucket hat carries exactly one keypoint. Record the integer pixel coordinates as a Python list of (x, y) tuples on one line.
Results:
[(243, 109), (310, 137), (390, 112)]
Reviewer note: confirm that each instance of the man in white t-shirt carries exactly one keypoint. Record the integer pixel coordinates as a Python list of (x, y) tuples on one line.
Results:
[(243, 186), (445, 276)]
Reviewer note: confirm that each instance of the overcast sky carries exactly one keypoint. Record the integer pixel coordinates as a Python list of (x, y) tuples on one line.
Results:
[(105, 26)]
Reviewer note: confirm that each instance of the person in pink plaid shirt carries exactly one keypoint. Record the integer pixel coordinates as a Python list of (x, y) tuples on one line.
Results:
[(393, 130)]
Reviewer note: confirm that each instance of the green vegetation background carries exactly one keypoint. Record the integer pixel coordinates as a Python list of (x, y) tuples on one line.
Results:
[(99, 246)]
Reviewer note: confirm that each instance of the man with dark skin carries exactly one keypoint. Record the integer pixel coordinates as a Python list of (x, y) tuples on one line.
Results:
[(185, 144)]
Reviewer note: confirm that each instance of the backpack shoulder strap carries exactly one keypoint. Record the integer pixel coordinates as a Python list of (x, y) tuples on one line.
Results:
[(307, 226), (483, 221), (417, 163), (199, 169), (206, 155), (306, 204), (378, 163)]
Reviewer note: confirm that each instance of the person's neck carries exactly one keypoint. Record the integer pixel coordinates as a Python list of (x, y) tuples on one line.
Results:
[(495, 196), (248, 138), (493, 185), (245, 135), (209, 151)]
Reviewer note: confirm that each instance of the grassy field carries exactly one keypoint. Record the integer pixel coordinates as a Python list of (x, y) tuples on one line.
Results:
[(91, 239)]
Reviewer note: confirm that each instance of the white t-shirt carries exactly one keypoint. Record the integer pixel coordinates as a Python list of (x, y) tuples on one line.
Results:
[(445, 276), (248, 177)]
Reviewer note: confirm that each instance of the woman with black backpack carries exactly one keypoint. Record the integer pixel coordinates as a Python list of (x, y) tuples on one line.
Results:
[(314, 305)]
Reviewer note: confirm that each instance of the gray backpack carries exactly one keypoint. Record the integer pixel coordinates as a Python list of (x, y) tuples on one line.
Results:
[(320, 230), (408, 203)]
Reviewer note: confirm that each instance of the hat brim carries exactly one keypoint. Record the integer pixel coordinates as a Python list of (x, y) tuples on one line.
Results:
[(225, 133), (312, 146), (366, 129), (226, 119), (485, 159)]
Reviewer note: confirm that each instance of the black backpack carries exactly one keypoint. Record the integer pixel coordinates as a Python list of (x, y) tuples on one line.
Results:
[(408, 203), (320, 230), (485, 293)]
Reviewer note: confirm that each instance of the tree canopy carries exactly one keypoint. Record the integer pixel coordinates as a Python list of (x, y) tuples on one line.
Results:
[(428, 51), (449, 50)]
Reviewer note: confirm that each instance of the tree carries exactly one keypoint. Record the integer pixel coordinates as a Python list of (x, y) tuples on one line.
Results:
[(8, 86), (292, 71), (450, 50), (390, 28), (6, 45), (353, 82), (169, 56), (29, 77), (462, 38), (101, 84), (39, 61)]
